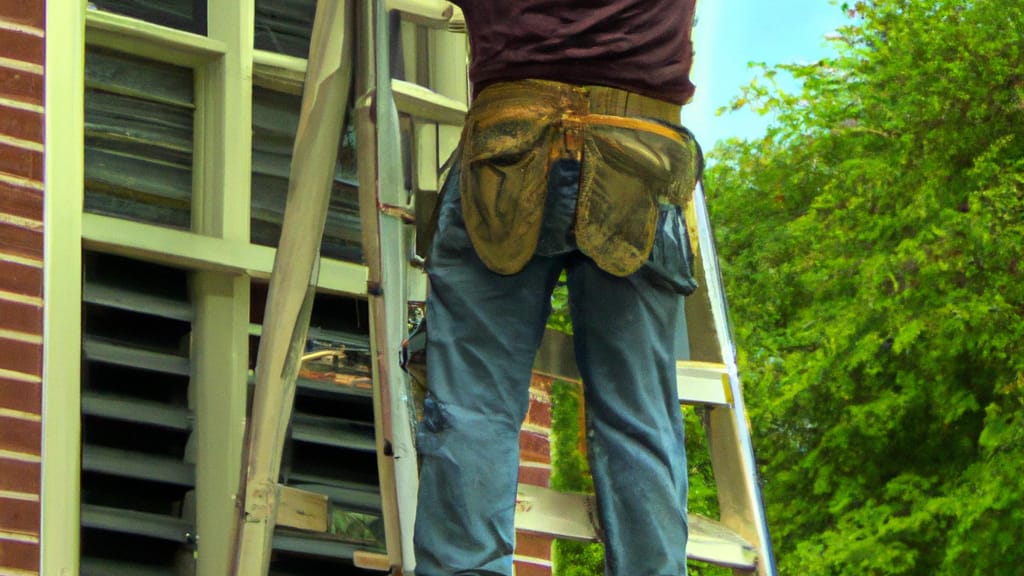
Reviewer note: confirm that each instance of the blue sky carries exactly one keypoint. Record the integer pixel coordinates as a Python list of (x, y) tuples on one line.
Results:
[(731, 33)]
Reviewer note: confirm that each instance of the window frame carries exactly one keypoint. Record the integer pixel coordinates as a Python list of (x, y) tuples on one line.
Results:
[(217, 250)]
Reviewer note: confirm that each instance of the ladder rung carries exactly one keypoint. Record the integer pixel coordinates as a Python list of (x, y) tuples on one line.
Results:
[(566, 515), (430, 13), (562, 514), (555, 358), (710, 541), (703, 383), (425, 104), (371, 561), (302, 509)]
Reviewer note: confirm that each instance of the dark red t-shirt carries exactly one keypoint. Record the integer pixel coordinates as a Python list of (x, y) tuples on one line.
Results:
[(639, 45)]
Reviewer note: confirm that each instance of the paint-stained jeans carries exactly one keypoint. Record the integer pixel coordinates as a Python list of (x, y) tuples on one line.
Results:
[(485, 329)]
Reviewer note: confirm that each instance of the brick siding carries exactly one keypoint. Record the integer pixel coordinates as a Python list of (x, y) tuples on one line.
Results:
[(533, 551), (22, 23)]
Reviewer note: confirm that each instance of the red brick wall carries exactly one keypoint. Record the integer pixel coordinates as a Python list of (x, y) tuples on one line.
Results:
[(21, 281), (533, 551)]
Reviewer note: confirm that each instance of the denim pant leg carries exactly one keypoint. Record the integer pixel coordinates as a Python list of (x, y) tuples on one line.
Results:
[(484, 331), (624, 338)]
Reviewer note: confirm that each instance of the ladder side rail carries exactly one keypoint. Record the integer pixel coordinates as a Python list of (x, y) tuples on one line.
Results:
[(390, 293), (389, 243), (742, 506), (293, 282)]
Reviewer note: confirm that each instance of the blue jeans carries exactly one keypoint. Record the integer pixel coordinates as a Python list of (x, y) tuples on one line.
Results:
[(485, 329)]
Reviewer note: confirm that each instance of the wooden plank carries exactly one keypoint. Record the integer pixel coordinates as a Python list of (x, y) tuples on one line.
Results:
[(302, 509)]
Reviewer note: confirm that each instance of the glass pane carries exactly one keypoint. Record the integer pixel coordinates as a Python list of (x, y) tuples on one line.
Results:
[(187, 15), (275, 121), (138, 138), (284, 26)]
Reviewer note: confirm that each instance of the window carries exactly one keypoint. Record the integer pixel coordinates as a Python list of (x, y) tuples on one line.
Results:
[(179, 220), (137, 474), (275, 122), (284, 26), (139, 117)]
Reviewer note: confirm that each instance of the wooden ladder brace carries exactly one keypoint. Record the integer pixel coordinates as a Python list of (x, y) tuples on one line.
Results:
[(329, 77)]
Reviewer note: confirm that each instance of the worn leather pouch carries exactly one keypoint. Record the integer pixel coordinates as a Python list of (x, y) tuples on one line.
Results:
[(506, 154), (629, 168)]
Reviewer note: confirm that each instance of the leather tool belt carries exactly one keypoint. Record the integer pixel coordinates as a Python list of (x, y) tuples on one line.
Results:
[(632, 156)]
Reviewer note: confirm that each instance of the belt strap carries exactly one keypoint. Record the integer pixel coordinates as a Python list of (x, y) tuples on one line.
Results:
[(582, 100)]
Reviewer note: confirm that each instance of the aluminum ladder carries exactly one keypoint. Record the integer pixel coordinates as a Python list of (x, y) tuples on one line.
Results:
[(708, 378), (385, 109)]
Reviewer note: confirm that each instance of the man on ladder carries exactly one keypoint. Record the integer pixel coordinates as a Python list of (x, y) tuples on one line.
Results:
[(571, 159)]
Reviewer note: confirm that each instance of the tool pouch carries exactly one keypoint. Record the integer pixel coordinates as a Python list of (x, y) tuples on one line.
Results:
[(629, 168), (506, 155)]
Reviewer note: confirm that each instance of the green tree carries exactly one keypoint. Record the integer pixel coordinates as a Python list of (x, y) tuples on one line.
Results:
[(871, 244)]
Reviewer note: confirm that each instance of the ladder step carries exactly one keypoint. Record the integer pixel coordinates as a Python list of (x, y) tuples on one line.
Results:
[(302, 509), (573, 517), (425, 104), (699, 383), (346, 495), (710, 541), (430, 13), (371, 561), (703, 383)]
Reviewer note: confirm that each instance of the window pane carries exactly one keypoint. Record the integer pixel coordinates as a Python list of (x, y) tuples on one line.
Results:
[(138, 138), (275, 121), (284, 26), (187, 15)]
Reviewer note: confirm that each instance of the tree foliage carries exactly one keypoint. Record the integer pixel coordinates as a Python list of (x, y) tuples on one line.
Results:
[(871, 245)]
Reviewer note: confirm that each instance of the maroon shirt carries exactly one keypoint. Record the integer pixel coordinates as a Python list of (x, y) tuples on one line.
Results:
[(638, 45)]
